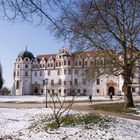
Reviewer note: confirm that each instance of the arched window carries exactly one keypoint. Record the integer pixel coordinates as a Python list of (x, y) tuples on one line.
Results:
[(17, 84)]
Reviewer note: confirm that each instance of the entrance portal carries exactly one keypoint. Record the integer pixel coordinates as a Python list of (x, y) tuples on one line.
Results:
[(111, 89), (36, 91)]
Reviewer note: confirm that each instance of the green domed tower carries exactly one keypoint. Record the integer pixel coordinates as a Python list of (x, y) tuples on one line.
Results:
[(23, 73), (25, 54)]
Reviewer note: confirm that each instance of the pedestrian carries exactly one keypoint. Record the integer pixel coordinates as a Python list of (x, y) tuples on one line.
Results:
[(111, 96), (90, 98)]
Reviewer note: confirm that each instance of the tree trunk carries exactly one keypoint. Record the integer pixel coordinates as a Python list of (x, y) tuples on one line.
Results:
[(128, 98)]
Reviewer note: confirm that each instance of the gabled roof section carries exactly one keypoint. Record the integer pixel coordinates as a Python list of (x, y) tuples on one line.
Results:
[(47, 56)]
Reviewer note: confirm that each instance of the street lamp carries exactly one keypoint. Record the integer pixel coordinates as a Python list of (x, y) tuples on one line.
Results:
[(46, 82)]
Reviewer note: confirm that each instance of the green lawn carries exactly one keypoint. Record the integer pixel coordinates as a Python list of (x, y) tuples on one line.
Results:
[(113, 107)]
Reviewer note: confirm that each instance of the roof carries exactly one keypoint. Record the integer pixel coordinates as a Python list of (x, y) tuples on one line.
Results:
[(27, 54), (46, 56)]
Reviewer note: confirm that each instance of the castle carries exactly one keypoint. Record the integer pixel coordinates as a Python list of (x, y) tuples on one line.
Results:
[(61, 74)]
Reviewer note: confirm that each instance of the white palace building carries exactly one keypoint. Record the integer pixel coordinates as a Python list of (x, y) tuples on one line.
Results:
[(61, 74)]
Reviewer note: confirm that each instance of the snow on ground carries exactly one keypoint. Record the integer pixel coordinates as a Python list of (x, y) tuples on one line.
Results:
[(43, 98), (15, 123)]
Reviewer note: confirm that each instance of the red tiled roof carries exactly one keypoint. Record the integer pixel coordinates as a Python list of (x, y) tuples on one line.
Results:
[(46, 56), (81, 54)]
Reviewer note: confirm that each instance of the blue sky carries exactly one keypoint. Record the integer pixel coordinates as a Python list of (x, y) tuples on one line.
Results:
[(13, 39)]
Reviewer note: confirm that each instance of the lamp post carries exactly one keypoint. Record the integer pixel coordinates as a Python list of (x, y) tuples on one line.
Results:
[(46, 82)]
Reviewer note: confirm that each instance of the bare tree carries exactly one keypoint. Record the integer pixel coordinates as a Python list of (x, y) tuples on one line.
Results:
[(60, 106), (110, 26), (1, 78)]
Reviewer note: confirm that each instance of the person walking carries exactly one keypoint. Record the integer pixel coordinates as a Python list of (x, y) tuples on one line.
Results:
[(90, 98), (111, 96)]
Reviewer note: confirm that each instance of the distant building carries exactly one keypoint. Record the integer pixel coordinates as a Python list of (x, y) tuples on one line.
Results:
[(62, 73)]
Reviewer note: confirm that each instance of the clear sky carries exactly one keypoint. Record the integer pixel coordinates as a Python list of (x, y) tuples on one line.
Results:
[(13, 39)]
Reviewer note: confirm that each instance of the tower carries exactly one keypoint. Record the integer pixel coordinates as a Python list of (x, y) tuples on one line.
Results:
[(23, 73)]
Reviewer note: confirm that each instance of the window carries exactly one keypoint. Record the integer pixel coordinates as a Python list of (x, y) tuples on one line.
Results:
[(64, 62), (59, 82), (56, 64), (133, 89), (69, 71), (75, 63), (65, 71), (17, 73), (43, 82), (51, 64), (98, 90), (59, 64), (26, 59), (14, 74), (85, 63), (17, 84), (75, 81), (65, 91), (78, 90), (84, 81), (91, 63), (41, 90), (52, 91), (26, 73), (40, 73), (70, 82), (80, 63), (48, 91), (35, 73), (26, 66), (58, 72), (98, 81), (48, 65), (18, 66), (59, 90), (49, 73), (69, 63), (64, 82), (84, 91), (52, 82)]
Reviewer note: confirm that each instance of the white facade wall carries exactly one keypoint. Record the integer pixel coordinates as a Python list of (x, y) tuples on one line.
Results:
[(42, 70)]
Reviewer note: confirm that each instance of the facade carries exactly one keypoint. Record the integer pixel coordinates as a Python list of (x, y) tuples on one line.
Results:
[(62, 74)]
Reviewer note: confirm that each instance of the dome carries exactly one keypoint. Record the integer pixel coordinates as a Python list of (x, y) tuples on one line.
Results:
[(26, 53)]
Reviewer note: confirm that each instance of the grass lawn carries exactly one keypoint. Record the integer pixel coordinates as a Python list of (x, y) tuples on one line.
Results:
[(113, 107)]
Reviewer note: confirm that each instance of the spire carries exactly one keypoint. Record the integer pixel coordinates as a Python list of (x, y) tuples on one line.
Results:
[(26, 48)]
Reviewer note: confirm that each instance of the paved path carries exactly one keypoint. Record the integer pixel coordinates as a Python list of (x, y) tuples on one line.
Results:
[(81, 106)]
